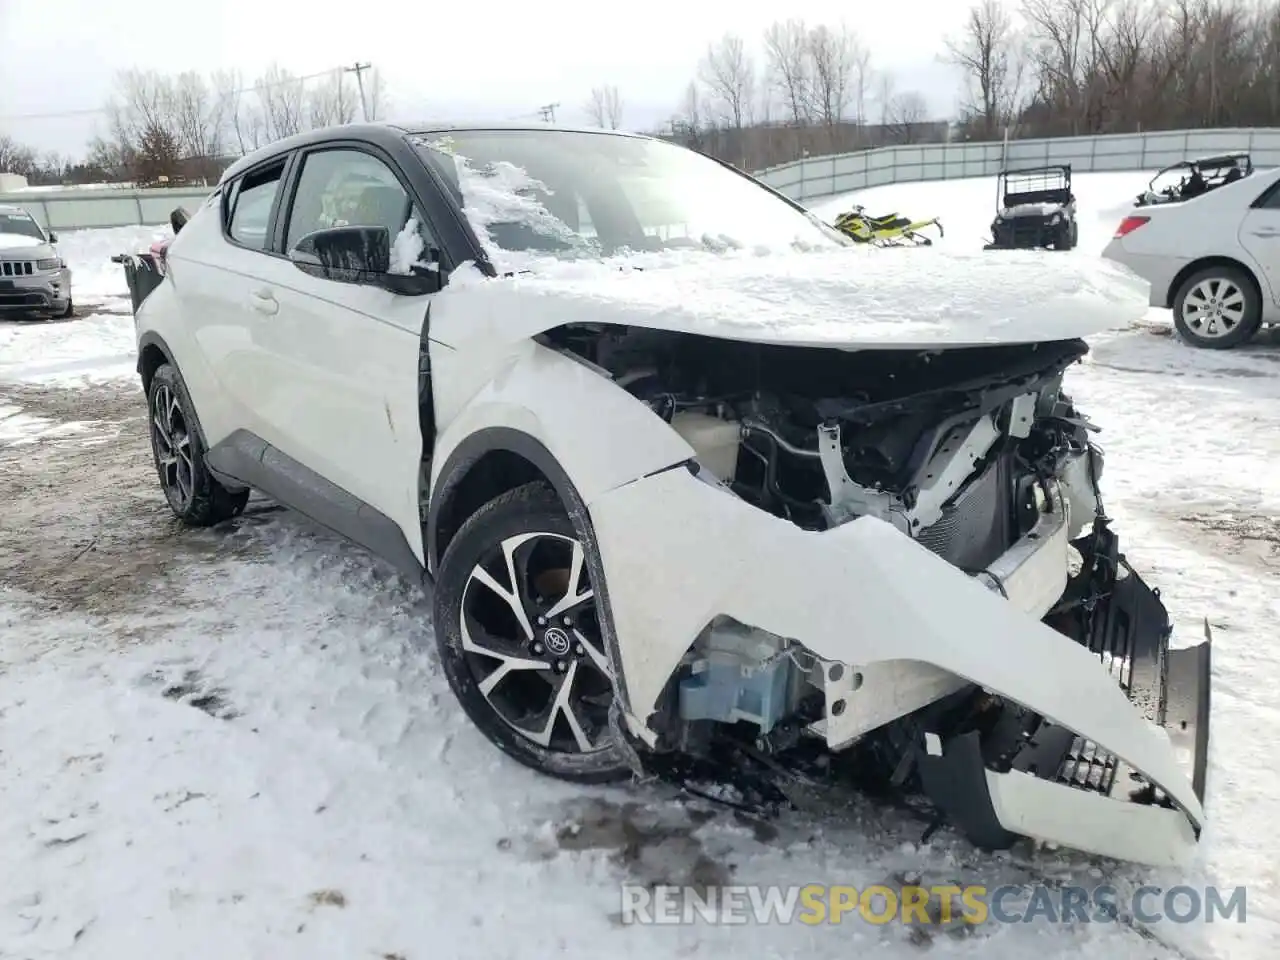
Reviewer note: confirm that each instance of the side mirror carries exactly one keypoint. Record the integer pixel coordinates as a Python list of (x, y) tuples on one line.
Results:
[(345, 254), (178, 219), (53, 237), (359, 255)]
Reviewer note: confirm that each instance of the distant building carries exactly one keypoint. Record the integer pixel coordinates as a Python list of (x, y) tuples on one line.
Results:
[(12, 182)]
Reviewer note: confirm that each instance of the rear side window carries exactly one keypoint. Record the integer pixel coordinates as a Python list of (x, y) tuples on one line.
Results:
[(251, 204)]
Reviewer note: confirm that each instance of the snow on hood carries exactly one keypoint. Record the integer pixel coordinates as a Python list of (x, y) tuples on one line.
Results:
[(856, 298), (846, 296), (14, 241)]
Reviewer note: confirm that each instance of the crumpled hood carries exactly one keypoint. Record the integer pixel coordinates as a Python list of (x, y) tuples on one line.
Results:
[(855, 298), (18, 245)]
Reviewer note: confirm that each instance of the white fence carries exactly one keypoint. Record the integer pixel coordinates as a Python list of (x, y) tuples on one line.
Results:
[(818, 177), (810, 179), (81, 208)]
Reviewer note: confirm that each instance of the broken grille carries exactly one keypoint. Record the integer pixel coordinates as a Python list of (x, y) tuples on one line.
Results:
[(1088, 767)]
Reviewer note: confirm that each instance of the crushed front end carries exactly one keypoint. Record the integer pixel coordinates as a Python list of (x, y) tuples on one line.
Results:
[(896, 572)]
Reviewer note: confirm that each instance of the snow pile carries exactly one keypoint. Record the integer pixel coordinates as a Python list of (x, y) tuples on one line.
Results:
[(88, 253)]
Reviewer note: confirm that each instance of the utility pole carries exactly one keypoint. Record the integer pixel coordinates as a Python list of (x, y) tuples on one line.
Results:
[(548, 112), (358, 69)]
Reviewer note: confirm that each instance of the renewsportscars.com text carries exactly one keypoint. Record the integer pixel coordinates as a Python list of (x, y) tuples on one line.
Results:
[(881, 904)]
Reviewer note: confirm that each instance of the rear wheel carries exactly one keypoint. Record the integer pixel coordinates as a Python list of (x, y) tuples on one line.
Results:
[(518, 631), (195, 497), (1217, 308)]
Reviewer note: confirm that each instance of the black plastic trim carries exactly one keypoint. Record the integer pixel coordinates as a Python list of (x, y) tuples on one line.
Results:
[(1187, 706), (248, 460), (956, 783), (153, 339), (453, 475), (231, 197)]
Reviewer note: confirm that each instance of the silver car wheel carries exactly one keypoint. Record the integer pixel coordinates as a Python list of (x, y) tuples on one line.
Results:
[(533, 644), (171, 440), (1213, 308)]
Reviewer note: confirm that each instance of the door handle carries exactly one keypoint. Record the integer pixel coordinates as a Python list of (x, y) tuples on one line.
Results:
[(264, 302)]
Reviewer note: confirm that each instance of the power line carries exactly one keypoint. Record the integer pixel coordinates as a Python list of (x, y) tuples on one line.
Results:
[(358, 69), (87, 112)]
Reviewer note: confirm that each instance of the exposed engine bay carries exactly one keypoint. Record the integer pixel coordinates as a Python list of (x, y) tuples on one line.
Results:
[(937, 443), (975, 453)]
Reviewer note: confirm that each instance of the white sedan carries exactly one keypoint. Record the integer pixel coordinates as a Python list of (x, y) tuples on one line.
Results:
[(1214, 260), (702, 489)]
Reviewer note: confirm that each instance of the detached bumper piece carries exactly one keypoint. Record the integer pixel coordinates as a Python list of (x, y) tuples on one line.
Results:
[(1013, 773)]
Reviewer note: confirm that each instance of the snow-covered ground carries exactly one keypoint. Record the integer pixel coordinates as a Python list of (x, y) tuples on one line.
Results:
[(237, 743), (99, 343)]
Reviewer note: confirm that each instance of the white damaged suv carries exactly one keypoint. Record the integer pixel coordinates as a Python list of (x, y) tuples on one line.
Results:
[(702, 490)]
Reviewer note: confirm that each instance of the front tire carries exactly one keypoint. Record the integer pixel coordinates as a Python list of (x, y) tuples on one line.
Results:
[(1217, 308), (194, 496), (517, 625)]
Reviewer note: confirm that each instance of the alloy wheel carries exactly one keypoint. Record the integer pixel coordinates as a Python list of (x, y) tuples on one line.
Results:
[(171, 440), (531, 639), (1214, 307)]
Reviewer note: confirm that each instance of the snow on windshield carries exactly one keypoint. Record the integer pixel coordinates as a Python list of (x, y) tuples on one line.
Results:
[(652, 202), (500, 195)]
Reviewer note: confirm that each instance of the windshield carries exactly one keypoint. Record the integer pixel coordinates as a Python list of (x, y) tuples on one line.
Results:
[(585, 194), (21, 224)]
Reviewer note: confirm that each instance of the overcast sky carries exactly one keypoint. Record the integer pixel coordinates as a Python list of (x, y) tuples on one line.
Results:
[(440, 60)]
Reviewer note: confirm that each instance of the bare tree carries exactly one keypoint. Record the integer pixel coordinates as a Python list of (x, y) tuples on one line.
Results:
[(987, 54), (197, 115), (332, 101), (789, 68), (16, 157), (729, 74), (904, 116), (282, 96), (834, 55), (605, 107)]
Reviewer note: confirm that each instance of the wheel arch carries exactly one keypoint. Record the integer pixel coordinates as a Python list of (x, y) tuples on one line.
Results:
[(1195, 266), (485, 465), (152, 353), (491, 462)]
